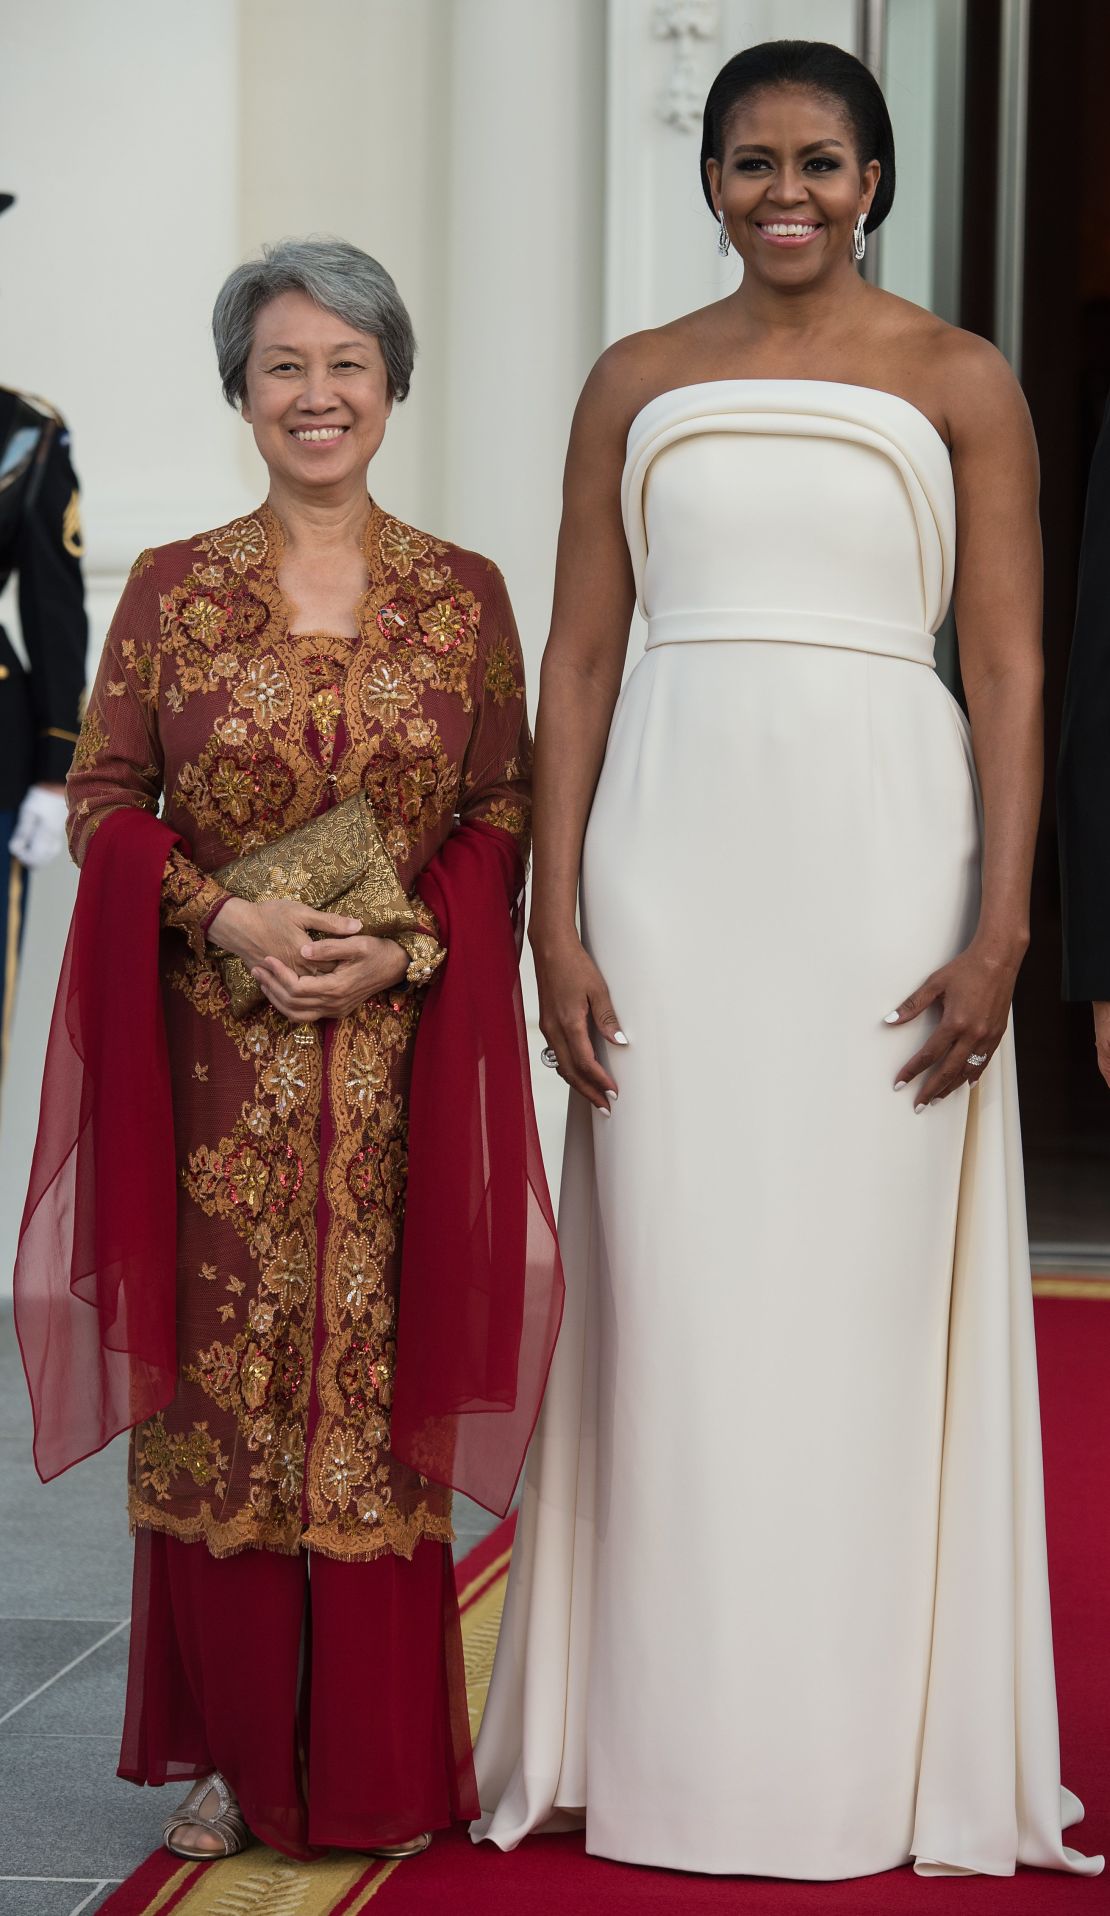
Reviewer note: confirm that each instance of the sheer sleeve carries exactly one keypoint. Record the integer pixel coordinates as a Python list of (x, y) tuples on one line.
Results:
[(497, 774), (118, 756)]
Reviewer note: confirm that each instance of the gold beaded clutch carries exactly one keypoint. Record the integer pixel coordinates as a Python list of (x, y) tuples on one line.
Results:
[(337, 862)]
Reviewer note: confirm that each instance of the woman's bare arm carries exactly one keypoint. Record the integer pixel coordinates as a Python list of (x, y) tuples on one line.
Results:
[(998, 601), (998, 615), (579, 682)]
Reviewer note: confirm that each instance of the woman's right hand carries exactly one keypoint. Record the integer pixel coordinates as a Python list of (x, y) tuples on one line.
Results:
[(573, 994), (275, 928)]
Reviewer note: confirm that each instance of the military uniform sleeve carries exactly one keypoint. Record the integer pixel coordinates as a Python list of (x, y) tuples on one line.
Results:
[(118, 758), (497, 773), (1083, 783), (52, 610)]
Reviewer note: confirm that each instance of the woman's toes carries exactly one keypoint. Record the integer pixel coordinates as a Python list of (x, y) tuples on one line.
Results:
[(196, 1836)]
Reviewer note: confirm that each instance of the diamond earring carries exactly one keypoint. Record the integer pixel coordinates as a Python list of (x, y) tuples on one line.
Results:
[(859, 239), (723, 241)]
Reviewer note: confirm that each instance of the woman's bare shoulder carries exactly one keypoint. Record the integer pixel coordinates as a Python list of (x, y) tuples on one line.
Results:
[(957, 378), (977, 376), (983, 403), (636, 369)]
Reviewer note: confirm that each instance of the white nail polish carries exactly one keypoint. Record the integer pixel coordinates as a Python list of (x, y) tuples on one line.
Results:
[(933, 1101), (891, 1018), (901, 1084), (603, 1110), (619, 1038), (612, 1095), (918, 1109)]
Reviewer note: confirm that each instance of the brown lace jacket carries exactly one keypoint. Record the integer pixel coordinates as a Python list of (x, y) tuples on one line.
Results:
[(292, 1160)]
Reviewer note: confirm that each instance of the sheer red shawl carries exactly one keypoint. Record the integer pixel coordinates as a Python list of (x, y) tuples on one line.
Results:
[(481, 1279), (95, 1273), (482, 1287)]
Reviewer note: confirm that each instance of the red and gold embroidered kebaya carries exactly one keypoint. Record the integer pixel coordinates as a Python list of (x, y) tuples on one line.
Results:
[(292, 1157)]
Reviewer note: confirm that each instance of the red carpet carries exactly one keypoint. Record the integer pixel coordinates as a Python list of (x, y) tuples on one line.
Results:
[(552, 1876)]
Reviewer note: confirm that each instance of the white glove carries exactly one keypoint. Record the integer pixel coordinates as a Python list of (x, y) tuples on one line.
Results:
[(40, 831)]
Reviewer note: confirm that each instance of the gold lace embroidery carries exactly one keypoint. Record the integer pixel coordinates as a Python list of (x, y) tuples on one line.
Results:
[(501, 681), (260, 729)]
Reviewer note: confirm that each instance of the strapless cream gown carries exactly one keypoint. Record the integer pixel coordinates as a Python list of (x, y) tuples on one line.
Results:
[(779, 1600)]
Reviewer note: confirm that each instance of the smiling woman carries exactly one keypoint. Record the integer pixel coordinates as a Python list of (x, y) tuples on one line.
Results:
[(778, 1603), (314, 346), (316, 654), (824, 183)]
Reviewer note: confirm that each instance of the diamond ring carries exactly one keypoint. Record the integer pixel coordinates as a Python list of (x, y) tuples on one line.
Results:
[(978, 1057), (549, 1057)]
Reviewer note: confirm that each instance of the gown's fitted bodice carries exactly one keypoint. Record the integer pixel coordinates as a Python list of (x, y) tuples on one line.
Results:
[(790, 509)]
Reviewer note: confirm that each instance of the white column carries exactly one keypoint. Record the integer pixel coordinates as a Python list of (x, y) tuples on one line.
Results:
[(343, 131), (462, 144), (523, 238)]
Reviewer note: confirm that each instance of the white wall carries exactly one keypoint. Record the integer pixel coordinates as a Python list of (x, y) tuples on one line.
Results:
[(527, 169), (357, 145), (118, 133)]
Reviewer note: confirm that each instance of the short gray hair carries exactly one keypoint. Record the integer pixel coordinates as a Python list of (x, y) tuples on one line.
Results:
[(339, 278)]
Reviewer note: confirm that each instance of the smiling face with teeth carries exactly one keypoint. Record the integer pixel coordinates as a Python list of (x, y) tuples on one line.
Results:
[(791, 185), (317, 397)]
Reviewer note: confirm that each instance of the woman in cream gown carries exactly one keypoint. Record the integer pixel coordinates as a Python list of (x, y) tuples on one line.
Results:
[(779, 1602)]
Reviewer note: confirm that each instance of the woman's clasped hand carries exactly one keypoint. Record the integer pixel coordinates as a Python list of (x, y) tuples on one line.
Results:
[(308, 979)]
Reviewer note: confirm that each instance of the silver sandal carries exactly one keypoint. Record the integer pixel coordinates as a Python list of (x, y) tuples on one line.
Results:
[(393, 1852), (227, 1823)]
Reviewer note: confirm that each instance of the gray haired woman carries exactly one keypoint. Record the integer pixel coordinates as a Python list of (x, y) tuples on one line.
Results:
[(256, 676)]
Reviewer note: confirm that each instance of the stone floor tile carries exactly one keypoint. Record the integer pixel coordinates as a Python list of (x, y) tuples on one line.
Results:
[(86, 1701), (96, 1827), (98, 1902), (25, 1897), (15, 1417), (66, 1549), (31, 1652)]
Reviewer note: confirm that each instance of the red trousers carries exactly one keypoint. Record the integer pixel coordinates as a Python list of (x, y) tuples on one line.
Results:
[(331, 1696)]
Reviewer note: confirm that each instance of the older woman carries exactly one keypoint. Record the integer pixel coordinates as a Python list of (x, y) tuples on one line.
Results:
[(254, 677)]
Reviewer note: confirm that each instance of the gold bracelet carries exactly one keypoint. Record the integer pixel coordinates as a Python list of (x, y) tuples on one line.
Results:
[(425, 955)]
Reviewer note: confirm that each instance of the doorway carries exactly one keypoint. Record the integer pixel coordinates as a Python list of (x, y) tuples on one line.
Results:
[(1065, 371), (999, 109)]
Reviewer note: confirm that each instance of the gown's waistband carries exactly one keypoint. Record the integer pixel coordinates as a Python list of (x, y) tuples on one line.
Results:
[(707, 625)]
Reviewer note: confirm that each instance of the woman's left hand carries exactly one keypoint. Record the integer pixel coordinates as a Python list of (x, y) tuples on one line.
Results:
[(343, 973), (974, 993)]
